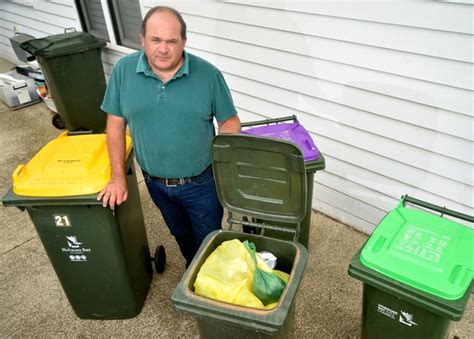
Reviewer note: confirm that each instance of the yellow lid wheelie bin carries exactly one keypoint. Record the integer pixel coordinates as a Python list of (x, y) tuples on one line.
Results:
[(100, 256)]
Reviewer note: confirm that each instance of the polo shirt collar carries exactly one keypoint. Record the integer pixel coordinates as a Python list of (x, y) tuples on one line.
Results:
[(144, 67), (184, 69)]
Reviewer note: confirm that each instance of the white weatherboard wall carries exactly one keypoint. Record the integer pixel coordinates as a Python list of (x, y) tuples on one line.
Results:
[(385, 88)]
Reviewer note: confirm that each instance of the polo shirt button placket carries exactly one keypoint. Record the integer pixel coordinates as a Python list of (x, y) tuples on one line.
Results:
[(162, 94)]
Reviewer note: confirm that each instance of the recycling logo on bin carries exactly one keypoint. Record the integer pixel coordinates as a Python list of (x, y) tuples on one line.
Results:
[(76, 252), (403, 317), (406, 318)]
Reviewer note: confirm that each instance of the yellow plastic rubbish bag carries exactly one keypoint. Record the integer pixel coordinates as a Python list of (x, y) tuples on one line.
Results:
[(227, 275)]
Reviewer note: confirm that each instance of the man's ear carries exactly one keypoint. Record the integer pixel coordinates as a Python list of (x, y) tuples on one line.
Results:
[(142, 40)]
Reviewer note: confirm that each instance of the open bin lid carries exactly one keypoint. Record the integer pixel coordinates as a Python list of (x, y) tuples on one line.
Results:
[(62, 44), (69, 165), (293, 132), (260, 177), (423, 251)]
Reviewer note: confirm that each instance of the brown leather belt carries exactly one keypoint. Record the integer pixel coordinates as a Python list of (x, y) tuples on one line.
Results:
[(173, 182)]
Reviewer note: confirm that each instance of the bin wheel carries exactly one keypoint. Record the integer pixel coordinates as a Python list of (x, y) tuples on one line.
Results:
[(160, 259), (57, 122), (249, 229)]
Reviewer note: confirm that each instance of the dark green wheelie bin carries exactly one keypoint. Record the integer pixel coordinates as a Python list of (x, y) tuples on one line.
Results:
[(100, 256), (266, 179), (218, 319), (280, 128), (417, 269), (72, 66)]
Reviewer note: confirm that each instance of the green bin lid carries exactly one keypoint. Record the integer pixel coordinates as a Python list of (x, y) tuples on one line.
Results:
[(424, 251), (260, 177), (62, 44)]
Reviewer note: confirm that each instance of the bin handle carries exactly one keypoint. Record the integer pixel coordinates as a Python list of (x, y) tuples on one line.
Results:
[(231, 221), (72, 29), (269, 121), (63, 134), (87, 132), (441, 209), (17, 171), (43, 48)]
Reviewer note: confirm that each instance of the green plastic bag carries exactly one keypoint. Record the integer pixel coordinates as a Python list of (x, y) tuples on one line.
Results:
[(267, 286)]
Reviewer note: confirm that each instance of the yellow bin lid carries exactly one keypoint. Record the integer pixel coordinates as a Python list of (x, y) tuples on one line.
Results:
[(66, 166)]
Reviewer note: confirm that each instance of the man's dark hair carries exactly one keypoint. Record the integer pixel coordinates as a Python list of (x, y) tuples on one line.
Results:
[(164, 9)]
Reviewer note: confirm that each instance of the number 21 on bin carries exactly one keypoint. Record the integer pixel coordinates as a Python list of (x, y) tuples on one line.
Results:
[(62, 221)]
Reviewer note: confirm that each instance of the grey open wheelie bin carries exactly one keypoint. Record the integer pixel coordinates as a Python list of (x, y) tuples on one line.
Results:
[(417, 269), (265, 179), (72, 66), (100, 256), (288, 128)]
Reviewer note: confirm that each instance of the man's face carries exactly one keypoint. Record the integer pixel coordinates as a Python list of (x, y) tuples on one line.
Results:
[(162, 43)]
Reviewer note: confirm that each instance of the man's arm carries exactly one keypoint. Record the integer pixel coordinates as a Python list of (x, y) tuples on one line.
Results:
[(116, 190), (230, 126)]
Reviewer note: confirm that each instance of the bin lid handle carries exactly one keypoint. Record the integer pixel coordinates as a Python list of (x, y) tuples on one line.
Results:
[(443, 210)]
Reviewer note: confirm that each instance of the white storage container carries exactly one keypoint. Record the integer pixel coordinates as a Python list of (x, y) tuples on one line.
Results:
[(17, 90)]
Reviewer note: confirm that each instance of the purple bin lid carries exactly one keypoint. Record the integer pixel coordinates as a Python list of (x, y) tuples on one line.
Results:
[(289, 131)]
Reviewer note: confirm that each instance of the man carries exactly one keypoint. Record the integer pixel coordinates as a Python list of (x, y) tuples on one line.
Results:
[(169, 98)]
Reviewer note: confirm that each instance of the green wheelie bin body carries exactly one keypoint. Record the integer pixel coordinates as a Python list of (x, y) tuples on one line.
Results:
[(218, 319), (100, 256), (72, 66), (293, 132), (261, 178), (417, 269)]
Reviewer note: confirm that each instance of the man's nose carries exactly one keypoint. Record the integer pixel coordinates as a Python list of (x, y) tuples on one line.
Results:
[(162, 48)]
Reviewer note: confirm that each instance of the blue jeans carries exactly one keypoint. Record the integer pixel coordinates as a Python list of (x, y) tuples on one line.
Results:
[(191, 211)]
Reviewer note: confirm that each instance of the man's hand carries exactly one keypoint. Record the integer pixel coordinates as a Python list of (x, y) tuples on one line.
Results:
[(114, 193)]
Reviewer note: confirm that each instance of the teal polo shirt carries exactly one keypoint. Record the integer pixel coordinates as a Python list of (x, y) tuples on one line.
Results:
[(171, 123)]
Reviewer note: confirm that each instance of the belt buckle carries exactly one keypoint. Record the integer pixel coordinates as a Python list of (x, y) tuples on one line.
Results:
[(167, 184), (178, 181)]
